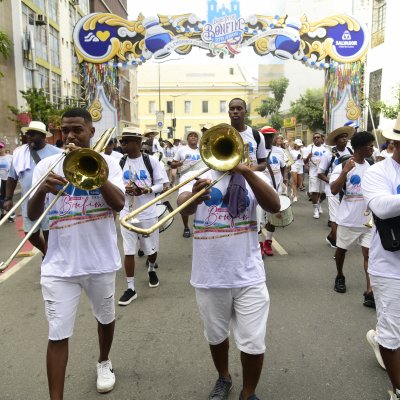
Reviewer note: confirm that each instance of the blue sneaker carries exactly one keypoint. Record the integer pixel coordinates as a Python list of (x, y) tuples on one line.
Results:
[(252, 397), (221, 389)]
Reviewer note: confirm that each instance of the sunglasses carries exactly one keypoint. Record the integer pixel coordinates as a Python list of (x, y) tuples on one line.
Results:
[(31, 133)]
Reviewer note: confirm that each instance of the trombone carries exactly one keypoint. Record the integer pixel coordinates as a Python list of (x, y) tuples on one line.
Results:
[(84, 168), (221, 149)]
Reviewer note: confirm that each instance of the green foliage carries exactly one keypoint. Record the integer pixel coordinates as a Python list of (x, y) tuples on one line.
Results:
[(389, 111), (38, 109), (5, 46), (270, 107), (309, 109)]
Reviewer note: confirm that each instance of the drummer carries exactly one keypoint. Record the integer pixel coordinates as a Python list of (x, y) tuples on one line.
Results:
[(277, 175)]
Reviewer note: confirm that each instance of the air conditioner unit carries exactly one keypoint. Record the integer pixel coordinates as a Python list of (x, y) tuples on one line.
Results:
[(41, 19)]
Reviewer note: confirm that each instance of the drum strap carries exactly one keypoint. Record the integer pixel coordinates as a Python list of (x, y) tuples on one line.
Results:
[(270, 171)]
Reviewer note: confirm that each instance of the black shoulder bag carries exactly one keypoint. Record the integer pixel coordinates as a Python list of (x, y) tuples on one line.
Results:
[(389, 232)]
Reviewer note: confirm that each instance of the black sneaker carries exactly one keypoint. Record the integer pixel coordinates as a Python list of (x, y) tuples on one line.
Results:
[(340, 284), (128, 296), (155, 264), (221, 389), (140, 253), (186, 233), (331, 242), (153, 279), (369, 300)]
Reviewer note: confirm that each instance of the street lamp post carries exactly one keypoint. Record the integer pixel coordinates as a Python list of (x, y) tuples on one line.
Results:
[(160, 112), (173, 111)]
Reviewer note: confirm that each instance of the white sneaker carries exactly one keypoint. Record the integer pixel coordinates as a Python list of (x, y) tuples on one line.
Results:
[(320, 210), (294, 199), (316, 213), (105, 377), (375, 346)]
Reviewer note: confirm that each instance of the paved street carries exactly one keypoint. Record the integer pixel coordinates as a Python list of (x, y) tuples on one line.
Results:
[(316, 347)]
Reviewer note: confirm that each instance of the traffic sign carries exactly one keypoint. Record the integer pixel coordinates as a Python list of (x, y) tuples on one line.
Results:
[(160, 119)]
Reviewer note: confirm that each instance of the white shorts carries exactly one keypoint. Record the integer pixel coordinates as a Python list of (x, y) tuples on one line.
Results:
[(315, 185), (347, 237), (245, 308), (333, 205), (61, 298), (298, 169), (387, 301), (148, 244), (28, 224)]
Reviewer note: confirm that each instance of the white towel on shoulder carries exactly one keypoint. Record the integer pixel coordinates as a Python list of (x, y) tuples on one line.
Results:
[(21, 159)]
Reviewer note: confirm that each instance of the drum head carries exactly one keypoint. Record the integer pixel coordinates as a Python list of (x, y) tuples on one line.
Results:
[(285, 202)]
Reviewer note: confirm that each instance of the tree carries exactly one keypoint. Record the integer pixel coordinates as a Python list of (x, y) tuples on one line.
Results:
[(38, 109), (309, 109), (5, 46), (389, 111), (270, 107)]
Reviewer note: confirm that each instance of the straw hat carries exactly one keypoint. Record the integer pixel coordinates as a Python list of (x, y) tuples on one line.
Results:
[(349, 130), (393, 134), (131, 132), (38, 127), (189, 132), (148, 131)]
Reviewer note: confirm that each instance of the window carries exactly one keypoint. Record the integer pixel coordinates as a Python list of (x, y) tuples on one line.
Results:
[(222, 106), (56, 88), (53, 9), (375, 88), (39, 4), (188, 106), (152, 107), (378, 22), (54, 48), (74, 62), (187, 129), (76, 91), (43, 80), (204, 106), (170, 107), (41, 42)]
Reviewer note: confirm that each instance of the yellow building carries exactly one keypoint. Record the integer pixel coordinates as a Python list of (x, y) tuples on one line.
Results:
[(191, 95)]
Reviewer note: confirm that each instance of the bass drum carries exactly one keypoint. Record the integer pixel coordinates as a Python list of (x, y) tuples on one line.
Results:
[(285, 216), (163, 209)]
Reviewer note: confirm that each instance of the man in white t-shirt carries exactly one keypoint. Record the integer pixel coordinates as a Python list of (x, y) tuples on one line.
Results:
[(25, 159), (381, 187), (82, 254), (5, 165), (338, 139), (228, 272), (313, 155), (351, 216), (187, 157), (144, 176), (110, 152), (257, 151), (151, 145), (276, 174)]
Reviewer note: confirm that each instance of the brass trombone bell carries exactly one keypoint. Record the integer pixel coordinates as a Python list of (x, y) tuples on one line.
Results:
[(85, 169)]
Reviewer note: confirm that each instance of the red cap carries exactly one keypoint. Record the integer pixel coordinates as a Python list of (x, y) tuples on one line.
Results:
[(268, 130)]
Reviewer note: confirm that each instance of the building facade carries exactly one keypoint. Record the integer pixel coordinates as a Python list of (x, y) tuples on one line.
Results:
[(43, 56), (191, 96)]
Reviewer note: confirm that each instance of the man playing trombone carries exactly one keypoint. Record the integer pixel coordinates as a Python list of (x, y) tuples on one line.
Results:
[(82, 251), (228, 271)]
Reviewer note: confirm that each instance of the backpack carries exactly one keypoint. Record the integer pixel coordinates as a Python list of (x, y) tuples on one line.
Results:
[(335, 154), (147, 163)]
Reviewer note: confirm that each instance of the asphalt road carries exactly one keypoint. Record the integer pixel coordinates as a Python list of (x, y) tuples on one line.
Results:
[(316, 347)]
